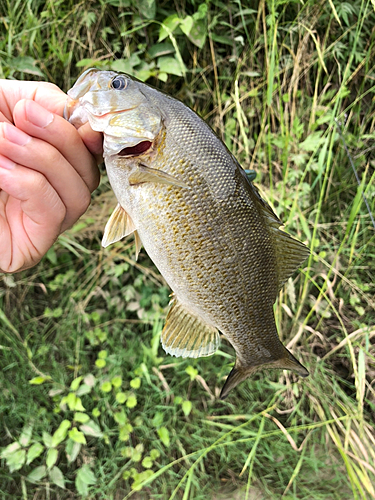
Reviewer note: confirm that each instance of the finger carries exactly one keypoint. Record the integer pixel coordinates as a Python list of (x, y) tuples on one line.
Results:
[(38, 122), (48, 161), (92, 140), (46, 94), (31, 216)]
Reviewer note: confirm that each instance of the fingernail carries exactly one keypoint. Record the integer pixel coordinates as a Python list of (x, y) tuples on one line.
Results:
[(6, 163), (37, 115), (15, 135)]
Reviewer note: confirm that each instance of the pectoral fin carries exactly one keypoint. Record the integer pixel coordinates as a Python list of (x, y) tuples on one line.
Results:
[(187, 335), (147, 174), (119, 225)]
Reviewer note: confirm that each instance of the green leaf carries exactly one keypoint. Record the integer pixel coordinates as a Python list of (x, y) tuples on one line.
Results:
[(164, 436), (47, 439), (198, 33), (16, 460), (147, 463), (83, 389), (158, 419), (135, 383), (186, 407), (26, 435), (154, 51), (71, 400), (154, 454), (102, 354), (106, 387), (26, 64), (39, 380), (72, 449), (85, 478), (116, 382), (168, 26), (96, 412), (34, 452), (78, 405), (51, 457), (75, 384), (186, 24), (170, 65), (57, 477), (312, 141), (10, 449), (77, 436), (60, 433), (131, 402), (91, 429), (147, 8), (100, 363), (81, 417), (37, 474), (121, 397), (192, 372)]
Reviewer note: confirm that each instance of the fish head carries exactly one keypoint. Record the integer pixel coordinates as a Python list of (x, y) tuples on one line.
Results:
[(114, 104)]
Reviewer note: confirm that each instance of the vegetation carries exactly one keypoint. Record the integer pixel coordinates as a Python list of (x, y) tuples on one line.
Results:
[(90, 404)]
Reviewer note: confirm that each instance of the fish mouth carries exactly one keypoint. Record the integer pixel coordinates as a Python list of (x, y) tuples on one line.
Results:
[(136, 150)]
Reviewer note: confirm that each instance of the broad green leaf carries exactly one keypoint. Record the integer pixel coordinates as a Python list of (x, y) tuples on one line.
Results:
[(154, 454), (147, 8), (75, 384), (72, 448), (117, 382), (39, 380), (158, 419), (91, 429), (78, 405), (170, 65), (77, 436), (192, 372), (85, 478), (157, 50), (100, 363), (198, 33), (10, 449), (164, 436), (16, 460), (106, 386), (120, 398), (57, 477), (26, 435), (312, 141), (51, 457), (135, 383), (70, 400), (102, 354), (83, 389), (131, 402), (60, 434), (81, 417), (168, 26), (37, 474), (26, 64), (186, 407), (90, 380), (34, 452), (186, 24), (147, 463), (47, 439)]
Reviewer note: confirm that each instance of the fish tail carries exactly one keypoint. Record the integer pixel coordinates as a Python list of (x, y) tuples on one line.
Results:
[(241, 372)]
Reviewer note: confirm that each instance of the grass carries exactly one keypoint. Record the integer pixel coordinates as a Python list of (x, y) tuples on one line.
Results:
[(273, 80)]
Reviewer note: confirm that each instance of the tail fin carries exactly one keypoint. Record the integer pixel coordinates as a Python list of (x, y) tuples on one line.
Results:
[(241, 372)]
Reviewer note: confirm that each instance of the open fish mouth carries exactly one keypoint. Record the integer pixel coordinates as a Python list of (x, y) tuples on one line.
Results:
[(136, 150)]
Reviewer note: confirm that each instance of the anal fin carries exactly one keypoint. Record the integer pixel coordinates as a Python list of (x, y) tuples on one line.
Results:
[(186, 335)]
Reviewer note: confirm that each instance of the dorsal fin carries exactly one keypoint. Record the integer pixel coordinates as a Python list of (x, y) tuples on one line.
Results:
[(187, 335)]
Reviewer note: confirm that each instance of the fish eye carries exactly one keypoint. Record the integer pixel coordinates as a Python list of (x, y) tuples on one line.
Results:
[(119, 83)]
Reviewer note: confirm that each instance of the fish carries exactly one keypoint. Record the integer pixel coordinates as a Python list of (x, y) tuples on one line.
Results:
[(201, 220)]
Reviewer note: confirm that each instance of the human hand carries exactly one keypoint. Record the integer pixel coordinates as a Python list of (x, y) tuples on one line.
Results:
[(46, 171)]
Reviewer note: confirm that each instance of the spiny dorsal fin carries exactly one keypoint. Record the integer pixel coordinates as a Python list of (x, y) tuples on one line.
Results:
[(147, 174), (186, 335), (118, 226)]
